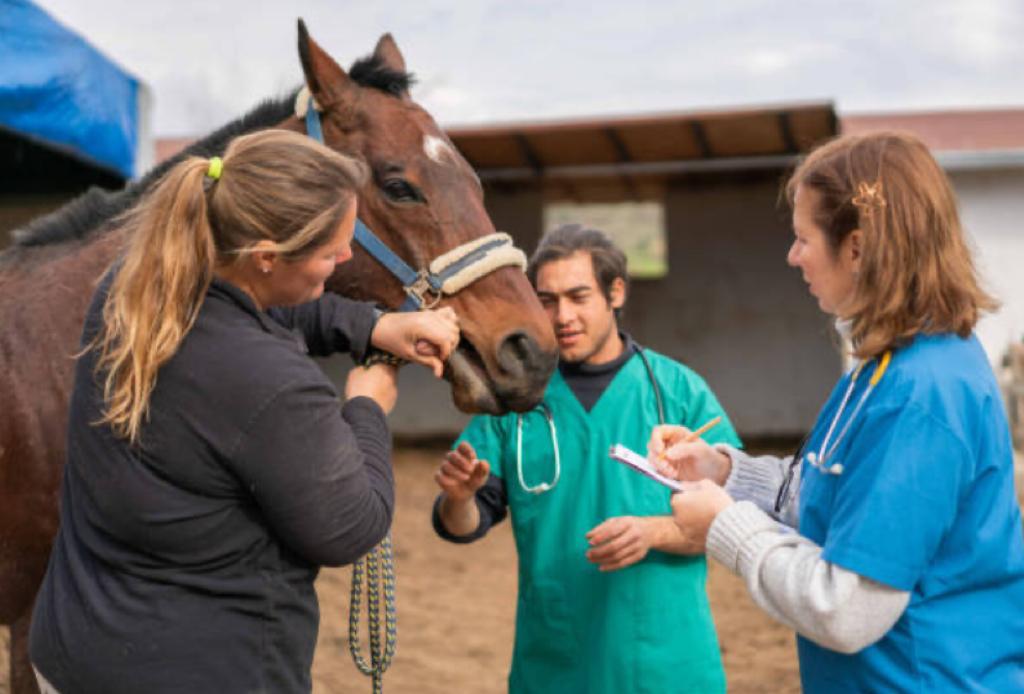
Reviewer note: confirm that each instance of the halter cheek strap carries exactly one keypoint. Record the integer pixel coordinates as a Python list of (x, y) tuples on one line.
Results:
[(448, 273), (306, 107)]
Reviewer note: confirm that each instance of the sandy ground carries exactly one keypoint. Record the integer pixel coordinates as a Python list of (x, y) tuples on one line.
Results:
[(456, 607)]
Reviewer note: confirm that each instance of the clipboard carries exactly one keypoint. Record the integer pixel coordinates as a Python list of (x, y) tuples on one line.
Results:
[(639, 463)]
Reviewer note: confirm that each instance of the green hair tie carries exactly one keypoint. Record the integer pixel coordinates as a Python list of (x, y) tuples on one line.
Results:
[(216, 166)]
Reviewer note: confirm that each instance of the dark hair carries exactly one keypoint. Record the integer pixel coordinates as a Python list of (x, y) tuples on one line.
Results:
[(607, 260)]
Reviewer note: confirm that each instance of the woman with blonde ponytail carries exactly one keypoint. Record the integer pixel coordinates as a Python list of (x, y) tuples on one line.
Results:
[(891, 541), (210, 473)]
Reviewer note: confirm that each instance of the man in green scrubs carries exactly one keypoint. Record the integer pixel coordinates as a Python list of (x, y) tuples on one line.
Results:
[(608, 600)]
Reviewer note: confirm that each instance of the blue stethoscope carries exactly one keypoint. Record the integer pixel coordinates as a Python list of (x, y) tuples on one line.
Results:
[(544, 410), (819, 460)]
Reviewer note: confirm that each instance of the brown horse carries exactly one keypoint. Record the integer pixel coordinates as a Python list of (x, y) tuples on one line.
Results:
[(423, 199)]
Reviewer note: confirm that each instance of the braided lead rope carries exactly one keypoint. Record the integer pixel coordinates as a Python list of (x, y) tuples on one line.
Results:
[(378, 564), (379, 356)]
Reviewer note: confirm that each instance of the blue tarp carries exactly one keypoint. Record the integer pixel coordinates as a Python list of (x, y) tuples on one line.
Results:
[(58, 90)]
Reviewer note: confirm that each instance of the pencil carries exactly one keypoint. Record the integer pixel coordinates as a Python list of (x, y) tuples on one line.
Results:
[(694, 435)]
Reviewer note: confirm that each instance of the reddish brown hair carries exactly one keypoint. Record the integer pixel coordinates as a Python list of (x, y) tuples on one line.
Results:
[(917, 273)]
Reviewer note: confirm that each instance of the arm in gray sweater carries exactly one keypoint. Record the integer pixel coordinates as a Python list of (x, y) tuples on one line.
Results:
[(784, 571)]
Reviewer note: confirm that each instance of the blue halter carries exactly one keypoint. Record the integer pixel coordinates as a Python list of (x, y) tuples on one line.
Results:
[(410, 279), (456, 268)]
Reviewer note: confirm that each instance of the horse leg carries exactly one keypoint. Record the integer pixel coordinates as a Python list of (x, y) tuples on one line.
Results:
[(23, 679)]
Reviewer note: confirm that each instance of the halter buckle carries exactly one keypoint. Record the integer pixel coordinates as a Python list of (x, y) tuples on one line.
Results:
[(420, 288)]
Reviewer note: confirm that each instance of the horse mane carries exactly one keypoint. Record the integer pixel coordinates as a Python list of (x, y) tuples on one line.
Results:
[(91, 210), (373, 73), (96, 207)]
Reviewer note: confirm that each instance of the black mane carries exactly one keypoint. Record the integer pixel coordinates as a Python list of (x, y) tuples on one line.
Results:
[(94, 208), (89, 211), (373, 73)]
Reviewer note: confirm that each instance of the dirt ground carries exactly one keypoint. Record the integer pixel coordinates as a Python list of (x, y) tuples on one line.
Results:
[(456, 609)]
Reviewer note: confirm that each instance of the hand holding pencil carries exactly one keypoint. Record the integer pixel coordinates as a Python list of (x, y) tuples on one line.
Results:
[(680, 453), (694, 435)]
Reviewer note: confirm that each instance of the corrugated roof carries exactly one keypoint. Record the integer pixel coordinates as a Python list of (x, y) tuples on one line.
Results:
[(949, 131)]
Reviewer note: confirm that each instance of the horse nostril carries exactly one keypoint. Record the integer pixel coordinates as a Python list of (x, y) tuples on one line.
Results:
[(522, 369), (516, 353)]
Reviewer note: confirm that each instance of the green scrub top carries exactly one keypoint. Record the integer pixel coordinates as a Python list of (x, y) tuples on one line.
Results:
[(645, 628)]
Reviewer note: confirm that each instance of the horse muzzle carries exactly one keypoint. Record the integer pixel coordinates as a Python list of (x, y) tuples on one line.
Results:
[(512, 380)]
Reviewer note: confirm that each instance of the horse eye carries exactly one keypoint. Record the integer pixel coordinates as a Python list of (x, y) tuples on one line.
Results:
[(400, 190)]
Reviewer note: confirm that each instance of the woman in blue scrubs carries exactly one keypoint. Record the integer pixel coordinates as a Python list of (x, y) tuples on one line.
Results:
[(906, 570)]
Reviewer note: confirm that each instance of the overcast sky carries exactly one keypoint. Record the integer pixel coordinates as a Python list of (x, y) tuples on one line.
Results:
[(207, 61)]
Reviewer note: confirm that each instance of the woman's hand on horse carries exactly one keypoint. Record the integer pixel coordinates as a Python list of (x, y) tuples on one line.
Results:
[(378, 382), (423, 337), (676, 453), (461, 473)]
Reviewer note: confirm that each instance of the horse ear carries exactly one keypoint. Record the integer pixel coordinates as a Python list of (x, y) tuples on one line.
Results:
[(324, 77), (388, 54)]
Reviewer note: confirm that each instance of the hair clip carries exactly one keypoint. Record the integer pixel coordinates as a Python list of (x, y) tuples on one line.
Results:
[(869, 195)]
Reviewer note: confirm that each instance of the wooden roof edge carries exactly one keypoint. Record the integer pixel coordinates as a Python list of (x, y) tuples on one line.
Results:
[(531, 127), (762, 162)]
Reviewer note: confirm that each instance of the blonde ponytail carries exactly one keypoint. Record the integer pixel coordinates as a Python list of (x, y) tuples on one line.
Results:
[(272, 185), (156, 295)]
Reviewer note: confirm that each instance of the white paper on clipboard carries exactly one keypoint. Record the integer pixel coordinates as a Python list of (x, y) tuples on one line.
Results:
[(639, 463)]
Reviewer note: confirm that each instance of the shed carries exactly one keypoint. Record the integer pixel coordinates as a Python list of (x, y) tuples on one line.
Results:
[(70, 117), (728, 307)]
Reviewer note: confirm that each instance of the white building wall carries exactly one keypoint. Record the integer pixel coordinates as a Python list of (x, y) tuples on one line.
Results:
[(992, 211)]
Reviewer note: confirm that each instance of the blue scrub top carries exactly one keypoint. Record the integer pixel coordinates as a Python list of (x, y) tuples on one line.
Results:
[(925, 504)]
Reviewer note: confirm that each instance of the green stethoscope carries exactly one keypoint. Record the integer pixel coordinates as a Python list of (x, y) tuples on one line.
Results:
[(546, 412)]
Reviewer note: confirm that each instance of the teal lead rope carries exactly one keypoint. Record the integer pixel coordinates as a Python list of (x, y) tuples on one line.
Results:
[(378, 566)]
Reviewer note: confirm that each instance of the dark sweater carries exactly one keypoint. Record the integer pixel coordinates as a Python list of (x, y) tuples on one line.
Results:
[(186, 564), (589, 381)]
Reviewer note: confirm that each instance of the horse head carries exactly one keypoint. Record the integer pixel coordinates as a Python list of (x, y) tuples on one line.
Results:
[(423, 200)]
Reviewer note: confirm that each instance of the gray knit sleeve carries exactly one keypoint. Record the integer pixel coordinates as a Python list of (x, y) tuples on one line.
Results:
[(760, 480), (788, 579)]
